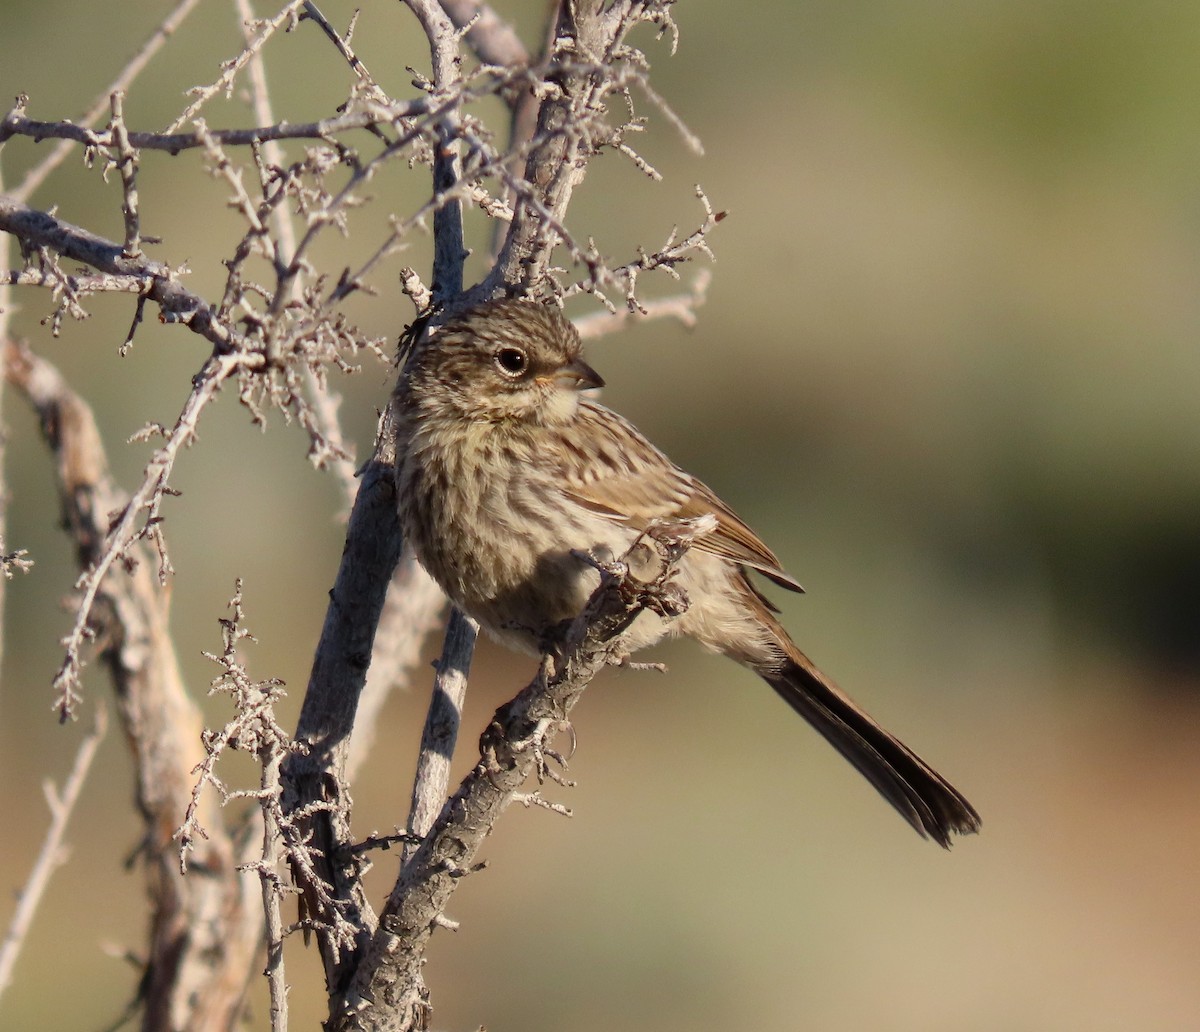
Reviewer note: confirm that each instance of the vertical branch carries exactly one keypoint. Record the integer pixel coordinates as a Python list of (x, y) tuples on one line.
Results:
[(497, 43), (271, 758), (412, 612), (449, 254), (450, 684), (441, 724), (315, 772), (127, 163), (255, 729), (324, 403)]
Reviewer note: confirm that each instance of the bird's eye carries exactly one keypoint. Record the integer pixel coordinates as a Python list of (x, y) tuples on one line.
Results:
[(512, 361)]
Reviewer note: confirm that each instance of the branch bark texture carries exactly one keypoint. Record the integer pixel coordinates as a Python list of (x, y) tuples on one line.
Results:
[(388, 993), (204, 930), (272, 334)]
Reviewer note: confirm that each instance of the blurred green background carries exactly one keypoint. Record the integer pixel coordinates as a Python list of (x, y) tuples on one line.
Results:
[(947, 367)]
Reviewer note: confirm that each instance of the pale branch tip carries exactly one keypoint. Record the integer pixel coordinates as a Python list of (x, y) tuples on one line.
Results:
[(15, 562)]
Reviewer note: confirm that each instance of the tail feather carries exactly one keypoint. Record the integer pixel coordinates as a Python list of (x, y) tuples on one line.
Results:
[(934, 807)]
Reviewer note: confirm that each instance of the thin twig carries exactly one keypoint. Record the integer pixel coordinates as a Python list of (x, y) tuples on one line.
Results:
[(681, 307), (133, 68), (127, 164), (254, 729), (342, 43), (132, 525), (271, 862), (52, 855), (323, 402), (288, 15)]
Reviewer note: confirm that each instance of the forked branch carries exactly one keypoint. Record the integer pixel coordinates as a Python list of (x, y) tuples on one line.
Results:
[(387, 989)]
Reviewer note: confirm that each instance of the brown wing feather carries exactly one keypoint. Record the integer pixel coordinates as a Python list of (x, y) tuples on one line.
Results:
[(616, 473)]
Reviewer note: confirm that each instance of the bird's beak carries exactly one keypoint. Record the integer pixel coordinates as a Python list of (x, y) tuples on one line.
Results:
[(581, 375)]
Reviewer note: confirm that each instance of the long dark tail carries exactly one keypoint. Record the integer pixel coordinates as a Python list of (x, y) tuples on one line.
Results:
[(922, 796)]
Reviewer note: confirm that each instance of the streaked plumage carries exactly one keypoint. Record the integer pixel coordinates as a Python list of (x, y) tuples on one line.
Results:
[(504, 467)]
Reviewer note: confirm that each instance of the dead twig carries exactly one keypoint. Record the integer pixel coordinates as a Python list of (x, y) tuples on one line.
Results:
[(52, 855)]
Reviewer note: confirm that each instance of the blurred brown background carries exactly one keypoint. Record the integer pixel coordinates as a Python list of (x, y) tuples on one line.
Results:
[(948, 368)]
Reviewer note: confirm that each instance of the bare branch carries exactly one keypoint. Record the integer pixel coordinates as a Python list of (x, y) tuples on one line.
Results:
[(126, 162), (203, 935), (342, 43), (360, 114), (386, 992), (681, 307), (449, 252), (52, 854), (78, 285), (314, 775), (288, 15), (122, 82), (412, 611), (138, 519), (441, 723), (160, 283), (269, 875), (324, 404), (592, 62), (253, 729), (672, 253)]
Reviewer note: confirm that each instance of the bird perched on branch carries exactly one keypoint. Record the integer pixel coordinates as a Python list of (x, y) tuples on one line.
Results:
[(507, 472)]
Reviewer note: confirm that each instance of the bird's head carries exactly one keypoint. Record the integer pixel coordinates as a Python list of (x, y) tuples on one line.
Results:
[(504, 361)]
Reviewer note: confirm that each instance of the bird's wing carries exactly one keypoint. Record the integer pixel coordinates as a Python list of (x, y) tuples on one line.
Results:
[(614, 472)]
